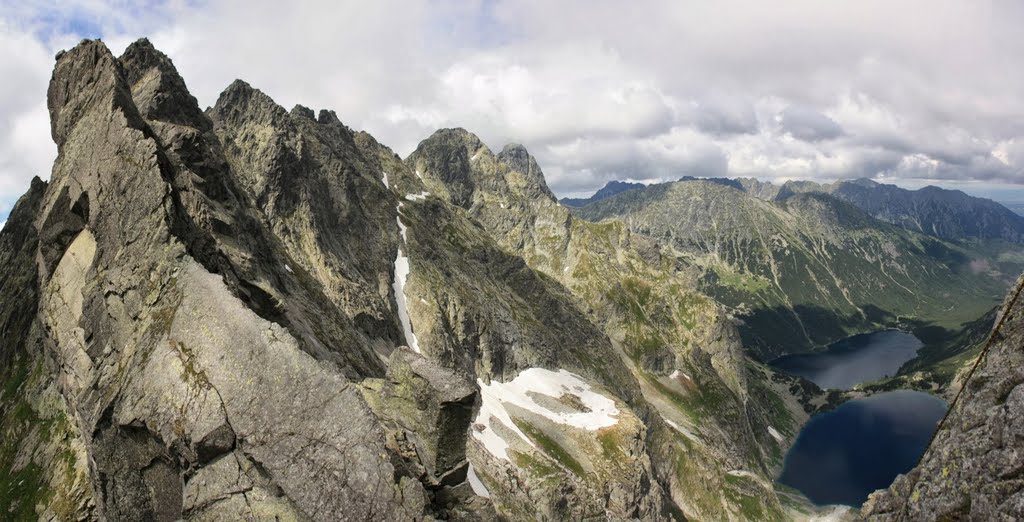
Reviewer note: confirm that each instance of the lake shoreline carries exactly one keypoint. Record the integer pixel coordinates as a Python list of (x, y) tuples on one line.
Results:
[(854, 360), (841, 456), (841, 371)]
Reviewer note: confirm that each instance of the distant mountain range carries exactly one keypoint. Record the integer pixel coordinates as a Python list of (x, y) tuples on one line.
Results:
[(803, 265), (612, 188), (947, 214)]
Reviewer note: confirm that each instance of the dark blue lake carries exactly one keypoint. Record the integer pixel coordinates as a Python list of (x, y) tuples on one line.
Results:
[(843, 455), (853, 360)]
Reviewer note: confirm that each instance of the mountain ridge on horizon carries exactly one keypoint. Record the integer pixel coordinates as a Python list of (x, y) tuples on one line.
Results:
[(945, 213)]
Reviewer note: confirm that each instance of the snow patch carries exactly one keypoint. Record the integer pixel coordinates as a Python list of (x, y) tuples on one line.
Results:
[(288, 268), (497, 395), (385, 179), (401, 227), (677, 373), (837, 514), (418, 175), (686, 433), (775, 434), (417, 197), (401, 276), (743, 473), (476, 483)]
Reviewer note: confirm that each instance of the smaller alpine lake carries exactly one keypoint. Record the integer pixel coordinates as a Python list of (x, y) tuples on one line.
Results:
[(840, 457), (853, 360)]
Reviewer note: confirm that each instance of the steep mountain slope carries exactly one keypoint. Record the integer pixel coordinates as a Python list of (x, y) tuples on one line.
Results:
[(946, 214), (179, 347), (683, 350), (254, 313), (806, 270), (972, 468)]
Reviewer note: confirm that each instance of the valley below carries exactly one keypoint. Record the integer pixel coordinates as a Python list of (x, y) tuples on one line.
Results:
[(849, 450), (854, 360), (861, 306)]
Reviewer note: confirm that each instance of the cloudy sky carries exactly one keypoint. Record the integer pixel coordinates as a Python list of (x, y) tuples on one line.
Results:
[(908, 92)]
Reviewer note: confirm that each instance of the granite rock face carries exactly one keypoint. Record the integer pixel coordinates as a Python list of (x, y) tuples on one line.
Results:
[(179, 344), (974, 467), (250, 313)]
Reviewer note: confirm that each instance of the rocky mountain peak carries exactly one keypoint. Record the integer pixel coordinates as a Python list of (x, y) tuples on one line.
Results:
[(301, 111), (466, 169), (328, 117), (159, 92), (519, 159), (445, 157), (241, 101), (864, 182), (515, 156), (86, 78), (610, 189)]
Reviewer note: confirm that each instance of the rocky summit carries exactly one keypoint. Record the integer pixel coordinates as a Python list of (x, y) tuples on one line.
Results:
[(253, 313)]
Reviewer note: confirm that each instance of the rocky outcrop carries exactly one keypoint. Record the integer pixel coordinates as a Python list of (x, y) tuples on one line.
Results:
[(203, 385), (972, 470), (432, 406)]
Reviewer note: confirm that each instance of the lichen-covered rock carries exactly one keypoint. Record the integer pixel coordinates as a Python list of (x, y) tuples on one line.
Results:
[(432, 405), (43, 461), (171, 373)]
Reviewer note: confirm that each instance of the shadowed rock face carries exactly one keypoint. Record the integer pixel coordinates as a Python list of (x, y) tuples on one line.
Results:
[(973, 469)]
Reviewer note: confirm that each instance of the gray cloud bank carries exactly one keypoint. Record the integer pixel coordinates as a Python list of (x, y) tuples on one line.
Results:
[(597, 90)]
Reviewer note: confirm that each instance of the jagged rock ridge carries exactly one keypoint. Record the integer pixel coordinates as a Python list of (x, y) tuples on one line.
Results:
[(201, 322)]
